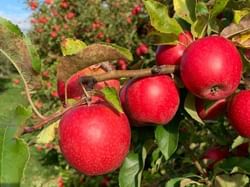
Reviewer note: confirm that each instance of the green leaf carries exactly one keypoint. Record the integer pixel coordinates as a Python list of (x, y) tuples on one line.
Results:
[(190, 108), (199, 27), (14, 152), (238, 141), (11, 27), (228, 164), (156, 160), (35, 58), (90, 55), (71, 46), (239, 14), (159, 38), (131, 171), (48, 134), (238, 4), (167, 138), (218, 7), (125, 52), (174, 182), (111, 96), (185, 9), (235, 180), (160, 19), (201, 9)]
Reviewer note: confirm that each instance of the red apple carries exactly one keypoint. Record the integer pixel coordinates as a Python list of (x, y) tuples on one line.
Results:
[(211, 68), (210, 110), (64, 5), (33, 4), (122, 64), (122, 93), (94, 139), (42, 20), (185, 38), (48, 2), (60, 182), (241, 150), (74, 89), (215, 154), (238, 112), (136, 10), (171, 54), (152, 99), (53, 34), (247, 54), (142, 49), (70, 15)]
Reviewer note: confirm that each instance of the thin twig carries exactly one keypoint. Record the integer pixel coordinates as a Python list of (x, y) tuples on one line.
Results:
[(116, 74), (50, 119), (90, 80)]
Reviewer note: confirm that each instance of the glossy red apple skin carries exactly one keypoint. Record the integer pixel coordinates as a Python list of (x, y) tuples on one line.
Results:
[(94, 139), (153, 99), (215, 154), (74, 89), (212, 112), (211, 68), (238, 112), (171, 54), (185, 38)]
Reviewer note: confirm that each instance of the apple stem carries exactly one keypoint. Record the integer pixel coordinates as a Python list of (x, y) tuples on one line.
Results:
[(87, 97), (49, 119), (117, 74)]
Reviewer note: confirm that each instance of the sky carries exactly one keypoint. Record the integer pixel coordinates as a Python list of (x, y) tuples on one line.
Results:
[(17, 12)]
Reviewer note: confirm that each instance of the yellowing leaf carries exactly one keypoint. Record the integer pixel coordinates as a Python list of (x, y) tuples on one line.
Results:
[(242, 40), (71, 46), (239, 14), (47, 135), (185, 9)]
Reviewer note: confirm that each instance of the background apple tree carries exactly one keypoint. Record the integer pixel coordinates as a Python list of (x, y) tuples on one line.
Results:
[(198, 147)]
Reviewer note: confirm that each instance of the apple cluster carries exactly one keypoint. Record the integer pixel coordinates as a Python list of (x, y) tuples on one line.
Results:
[(95, 138)]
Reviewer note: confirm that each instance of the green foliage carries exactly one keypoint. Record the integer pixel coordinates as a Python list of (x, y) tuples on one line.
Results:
[(14, 150), (160, 19), (167, 138), (111, 96), (159, 155), (47, 135), (71, 46), (130, 174), (189, 106)]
